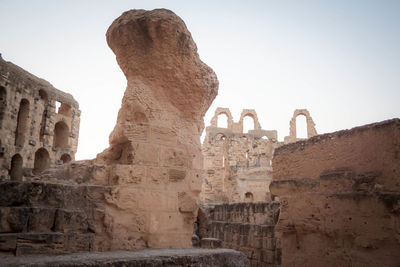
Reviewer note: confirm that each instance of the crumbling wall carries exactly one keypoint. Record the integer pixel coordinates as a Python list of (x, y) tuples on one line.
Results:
[(340, 195), (246, 227), (237, 165), (34, 133)]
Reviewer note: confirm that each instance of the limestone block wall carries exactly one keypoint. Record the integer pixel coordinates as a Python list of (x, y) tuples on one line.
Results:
[(340, 195), (246, 227), (237, 165), (39, 125)]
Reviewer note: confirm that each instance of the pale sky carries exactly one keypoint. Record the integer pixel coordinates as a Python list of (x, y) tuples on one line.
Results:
[(340, 59)]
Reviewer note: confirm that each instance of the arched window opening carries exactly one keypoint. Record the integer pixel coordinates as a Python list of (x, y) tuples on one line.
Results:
[(61, 134), (264, 138), (223, 161), (43, 95), (248, 124), (301, 126), (248, 197), (65, 110), (222, 120), (22, 123), (16, 170), (42, 161), (3, 102), (65, 158)]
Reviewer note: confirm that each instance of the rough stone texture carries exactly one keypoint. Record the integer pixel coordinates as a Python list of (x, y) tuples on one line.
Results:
[(143, 191), (246, 227), (238, 165), (293, 129), (34, 133), (49, 218), (147, 257), (154, 160), (340, 196)]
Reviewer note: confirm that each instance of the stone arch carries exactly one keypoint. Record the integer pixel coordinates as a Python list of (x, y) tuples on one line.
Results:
[(310, 124), (42, 161), (248, 197), (61, 135), (16, 171), (3, 103), (219, 111), (252, 114), (22, 123), (65, 158), (301, 127)]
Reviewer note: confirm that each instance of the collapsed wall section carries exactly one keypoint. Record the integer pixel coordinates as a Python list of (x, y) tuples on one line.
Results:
[(340, 195)]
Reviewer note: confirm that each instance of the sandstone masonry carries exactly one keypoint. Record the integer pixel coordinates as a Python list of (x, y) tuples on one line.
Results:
[(238, 165), (340, 195), (246, 227), (39, 124)]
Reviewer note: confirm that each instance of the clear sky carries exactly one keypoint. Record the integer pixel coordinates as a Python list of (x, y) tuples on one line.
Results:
[(340, 59)]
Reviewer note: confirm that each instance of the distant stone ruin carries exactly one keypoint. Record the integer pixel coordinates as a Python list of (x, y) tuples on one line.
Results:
[(238, 165), (39, 124)]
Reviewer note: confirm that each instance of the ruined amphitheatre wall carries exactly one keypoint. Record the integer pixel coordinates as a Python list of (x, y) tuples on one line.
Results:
[(246, 227), (35, 131), (340, 195), (237, 165)]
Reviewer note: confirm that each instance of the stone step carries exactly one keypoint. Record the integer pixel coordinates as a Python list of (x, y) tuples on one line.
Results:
[(44, 219), (21, 244), (72, 196), (143, 257)]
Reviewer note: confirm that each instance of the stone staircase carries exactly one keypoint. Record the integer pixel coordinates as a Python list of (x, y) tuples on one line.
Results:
[(246, 227), (49, 218)]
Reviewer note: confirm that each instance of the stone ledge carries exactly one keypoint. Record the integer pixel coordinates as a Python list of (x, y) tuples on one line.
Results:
[(145, 257)]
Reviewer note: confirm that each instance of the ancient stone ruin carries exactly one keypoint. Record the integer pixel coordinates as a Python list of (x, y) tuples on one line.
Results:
[(39, 124), (340, 197), (336, 196), (143, 191), (238, 165)]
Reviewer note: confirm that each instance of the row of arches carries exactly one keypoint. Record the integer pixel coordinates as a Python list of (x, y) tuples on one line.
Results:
[(61, 130), (41, 163)]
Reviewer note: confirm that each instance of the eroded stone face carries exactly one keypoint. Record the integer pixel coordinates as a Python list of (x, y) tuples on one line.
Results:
[(339, 195), (154, 160)]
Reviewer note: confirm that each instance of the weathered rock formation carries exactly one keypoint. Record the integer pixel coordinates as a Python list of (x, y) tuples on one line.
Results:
[(154, 160), (246, 227), (340, 196), (39, 125)]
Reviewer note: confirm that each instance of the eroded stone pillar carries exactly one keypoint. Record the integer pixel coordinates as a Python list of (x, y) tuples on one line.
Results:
[(154, 160)]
